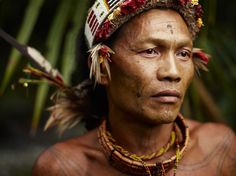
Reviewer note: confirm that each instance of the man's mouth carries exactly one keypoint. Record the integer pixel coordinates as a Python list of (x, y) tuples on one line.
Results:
[(167, 96)]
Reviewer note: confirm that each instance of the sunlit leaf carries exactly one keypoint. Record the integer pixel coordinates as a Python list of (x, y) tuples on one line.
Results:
[(68, 61), (54, 42), (29, 20)]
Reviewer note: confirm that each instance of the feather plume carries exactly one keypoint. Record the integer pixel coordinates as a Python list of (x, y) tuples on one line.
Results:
[(70, 106), (100, 54), (200, 59), (57, 81), (70, 102), (35, 57)]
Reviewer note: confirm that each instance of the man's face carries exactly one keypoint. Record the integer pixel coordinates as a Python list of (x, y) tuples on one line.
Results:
[(151, 68)]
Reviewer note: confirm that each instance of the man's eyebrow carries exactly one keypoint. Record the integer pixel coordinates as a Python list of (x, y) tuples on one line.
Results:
[(163, 42), (184, 43)]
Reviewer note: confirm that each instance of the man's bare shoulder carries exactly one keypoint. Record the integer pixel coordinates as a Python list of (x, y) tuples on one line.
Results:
[(211, 133), (71, 157), (216, 143)]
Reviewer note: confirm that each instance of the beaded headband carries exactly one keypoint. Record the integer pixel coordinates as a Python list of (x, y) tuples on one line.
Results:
[(106, 16)]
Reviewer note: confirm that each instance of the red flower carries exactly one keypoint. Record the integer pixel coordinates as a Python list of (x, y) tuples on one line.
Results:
[(104, 31), (106, 52), (140, 2), (183, 2), (130, 6), (199, 11)]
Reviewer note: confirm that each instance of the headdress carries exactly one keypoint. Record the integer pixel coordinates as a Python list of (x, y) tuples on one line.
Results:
[(106, 16)]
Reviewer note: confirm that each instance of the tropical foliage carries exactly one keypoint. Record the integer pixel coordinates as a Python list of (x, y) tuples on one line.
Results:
[(210, 98)]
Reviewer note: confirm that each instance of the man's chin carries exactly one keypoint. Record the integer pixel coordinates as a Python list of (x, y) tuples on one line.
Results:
[(163, 117)]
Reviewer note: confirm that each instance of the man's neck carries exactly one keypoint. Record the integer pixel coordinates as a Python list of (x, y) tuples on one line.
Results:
[(138, 137)]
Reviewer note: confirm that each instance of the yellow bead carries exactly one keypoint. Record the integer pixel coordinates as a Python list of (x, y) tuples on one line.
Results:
[(194, 2), (114, 14), (25, 84), (101, 59), (200, 22)]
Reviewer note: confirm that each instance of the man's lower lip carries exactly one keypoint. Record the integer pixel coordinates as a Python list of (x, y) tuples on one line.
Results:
[(167, 99)]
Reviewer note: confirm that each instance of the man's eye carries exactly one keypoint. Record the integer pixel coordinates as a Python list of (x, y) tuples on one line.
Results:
[(153, 52), (150, 51), (184, 55)]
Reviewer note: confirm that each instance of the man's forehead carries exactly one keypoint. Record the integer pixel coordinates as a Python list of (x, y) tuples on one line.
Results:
[(154, 25), (154, 18)]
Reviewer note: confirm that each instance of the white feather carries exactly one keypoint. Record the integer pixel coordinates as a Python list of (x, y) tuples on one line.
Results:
[(95, 68), (40, 60)]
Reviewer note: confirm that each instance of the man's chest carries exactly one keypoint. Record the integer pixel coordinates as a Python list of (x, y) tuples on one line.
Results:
[(197, 169)]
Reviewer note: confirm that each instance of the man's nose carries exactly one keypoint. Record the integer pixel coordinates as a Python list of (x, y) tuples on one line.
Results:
[(168, 70)]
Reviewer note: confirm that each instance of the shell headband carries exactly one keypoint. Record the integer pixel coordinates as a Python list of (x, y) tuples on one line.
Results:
[(106, 16)]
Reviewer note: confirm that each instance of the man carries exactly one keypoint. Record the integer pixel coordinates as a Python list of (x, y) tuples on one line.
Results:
[(142, 54)]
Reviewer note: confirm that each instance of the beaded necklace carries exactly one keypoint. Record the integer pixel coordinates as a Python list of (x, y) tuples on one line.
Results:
[(139, 167), (153, 155)]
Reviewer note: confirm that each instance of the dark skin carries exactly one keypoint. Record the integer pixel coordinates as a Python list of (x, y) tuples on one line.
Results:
[(153, 58)]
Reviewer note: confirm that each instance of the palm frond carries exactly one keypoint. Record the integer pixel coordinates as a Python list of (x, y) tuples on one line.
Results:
[(29, 20), (54, 43)]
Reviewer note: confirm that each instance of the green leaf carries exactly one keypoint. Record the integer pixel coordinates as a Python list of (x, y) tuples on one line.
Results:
[(30, 18), (54, 43), (68, 61)]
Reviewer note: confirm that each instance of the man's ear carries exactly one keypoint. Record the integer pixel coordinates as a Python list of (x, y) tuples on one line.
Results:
[(102, 75), (105, 79)]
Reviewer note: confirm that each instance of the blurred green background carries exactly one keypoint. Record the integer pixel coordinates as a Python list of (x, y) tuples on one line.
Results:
[(52, 27)]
